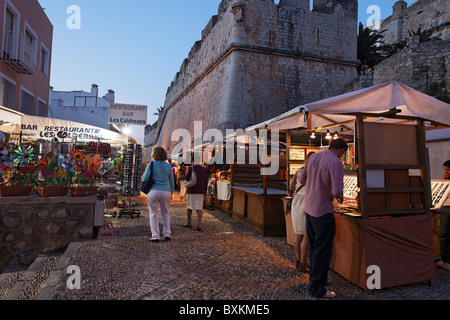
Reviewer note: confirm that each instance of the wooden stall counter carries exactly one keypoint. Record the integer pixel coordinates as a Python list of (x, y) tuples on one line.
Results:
[(248, 207), (400, 246)]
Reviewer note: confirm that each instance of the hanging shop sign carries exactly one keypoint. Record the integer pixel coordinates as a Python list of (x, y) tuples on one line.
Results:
[(127, 114), (49, 128)]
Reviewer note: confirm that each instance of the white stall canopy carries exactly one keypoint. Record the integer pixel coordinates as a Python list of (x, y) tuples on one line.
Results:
[(337, 113), (10, 117)]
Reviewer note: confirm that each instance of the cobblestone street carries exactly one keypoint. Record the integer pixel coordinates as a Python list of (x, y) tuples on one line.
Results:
[(226, 261)]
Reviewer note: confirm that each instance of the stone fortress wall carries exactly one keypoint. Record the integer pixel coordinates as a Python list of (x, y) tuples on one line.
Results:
[(423, 66), (420, 65), (257, 59), (425, 14)]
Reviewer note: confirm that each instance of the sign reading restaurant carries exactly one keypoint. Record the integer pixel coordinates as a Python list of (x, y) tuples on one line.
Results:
[(127, 114)]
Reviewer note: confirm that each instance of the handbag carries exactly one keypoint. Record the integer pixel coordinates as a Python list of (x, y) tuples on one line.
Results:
[(191, 182), (147, 185)]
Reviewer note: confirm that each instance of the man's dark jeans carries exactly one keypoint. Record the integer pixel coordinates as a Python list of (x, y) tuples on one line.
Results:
[(321, 232)]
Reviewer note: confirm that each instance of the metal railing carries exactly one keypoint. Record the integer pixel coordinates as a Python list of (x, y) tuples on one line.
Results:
[(18, 52)]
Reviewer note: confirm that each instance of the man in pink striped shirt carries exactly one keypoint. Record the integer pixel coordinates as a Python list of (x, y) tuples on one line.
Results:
[(323, 177)]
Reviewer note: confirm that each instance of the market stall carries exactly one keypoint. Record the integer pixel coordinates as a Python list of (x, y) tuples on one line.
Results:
[(63, 174), (254, 196), (385, 220), (240, 188), (53, 157), (255, 202)]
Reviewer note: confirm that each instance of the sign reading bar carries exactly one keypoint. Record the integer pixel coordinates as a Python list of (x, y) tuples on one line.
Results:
[(127, 114), (48, 128)]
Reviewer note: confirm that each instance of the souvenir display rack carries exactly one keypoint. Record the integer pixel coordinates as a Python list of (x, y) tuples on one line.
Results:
[(350, 205), (299, 148), (393, 169), (108, 187), (440, 191), (130, 178)]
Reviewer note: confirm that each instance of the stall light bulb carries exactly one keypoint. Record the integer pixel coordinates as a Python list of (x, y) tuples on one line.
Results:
[(313, 136), (335, 136), (126, 130), (328, 136)]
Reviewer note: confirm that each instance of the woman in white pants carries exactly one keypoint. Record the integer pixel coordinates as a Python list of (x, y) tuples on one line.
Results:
[(161, 192), (301, 244)]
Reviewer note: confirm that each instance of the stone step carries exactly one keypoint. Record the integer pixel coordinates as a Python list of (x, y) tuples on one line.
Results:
[(8, 279), (56, 280), (26, 284)]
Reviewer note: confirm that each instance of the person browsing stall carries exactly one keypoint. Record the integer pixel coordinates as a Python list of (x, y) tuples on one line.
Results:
[(444, 237), (323, 177), (446, 170), (196, 194), (160, 193), (299, 221)]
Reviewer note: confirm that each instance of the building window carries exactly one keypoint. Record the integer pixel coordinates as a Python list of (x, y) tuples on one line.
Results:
[(7, 93), (44, 60), (11, 30), (30, 44), (26, 103), (42, 108)]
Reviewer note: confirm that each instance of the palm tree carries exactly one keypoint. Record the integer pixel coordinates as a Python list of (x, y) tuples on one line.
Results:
[(158, 111), (370, 51), (424, 35), (391, 49)]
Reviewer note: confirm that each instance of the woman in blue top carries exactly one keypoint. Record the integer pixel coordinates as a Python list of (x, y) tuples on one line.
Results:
[(161, 192)]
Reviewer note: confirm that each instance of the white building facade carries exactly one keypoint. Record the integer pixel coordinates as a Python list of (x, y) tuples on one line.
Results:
[(81, 106)]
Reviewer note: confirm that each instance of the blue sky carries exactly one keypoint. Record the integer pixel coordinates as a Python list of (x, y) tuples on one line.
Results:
[(134, 47)]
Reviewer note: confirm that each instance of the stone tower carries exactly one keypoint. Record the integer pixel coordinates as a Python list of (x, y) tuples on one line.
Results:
[(257, 59), (432, 15)]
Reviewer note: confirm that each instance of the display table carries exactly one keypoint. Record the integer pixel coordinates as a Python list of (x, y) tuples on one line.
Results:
[(248, 208), (400, 246)]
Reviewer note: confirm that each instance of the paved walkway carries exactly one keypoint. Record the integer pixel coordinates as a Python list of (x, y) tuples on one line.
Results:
[(227, 261)]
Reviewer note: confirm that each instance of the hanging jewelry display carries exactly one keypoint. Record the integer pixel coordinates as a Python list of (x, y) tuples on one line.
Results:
[(351, 189), (131, 177), (127, 172), (440, 190), (137, 172)]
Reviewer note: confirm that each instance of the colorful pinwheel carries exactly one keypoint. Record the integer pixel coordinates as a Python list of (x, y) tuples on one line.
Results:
[(93, 164), (77, 155), (23, 154), (105, 167)]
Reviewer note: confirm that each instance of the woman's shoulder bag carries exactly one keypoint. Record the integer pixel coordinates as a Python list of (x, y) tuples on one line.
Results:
[(147, 185)]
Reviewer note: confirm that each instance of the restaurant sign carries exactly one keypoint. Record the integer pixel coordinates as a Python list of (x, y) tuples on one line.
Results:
[(127, 114), (37, 128)]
